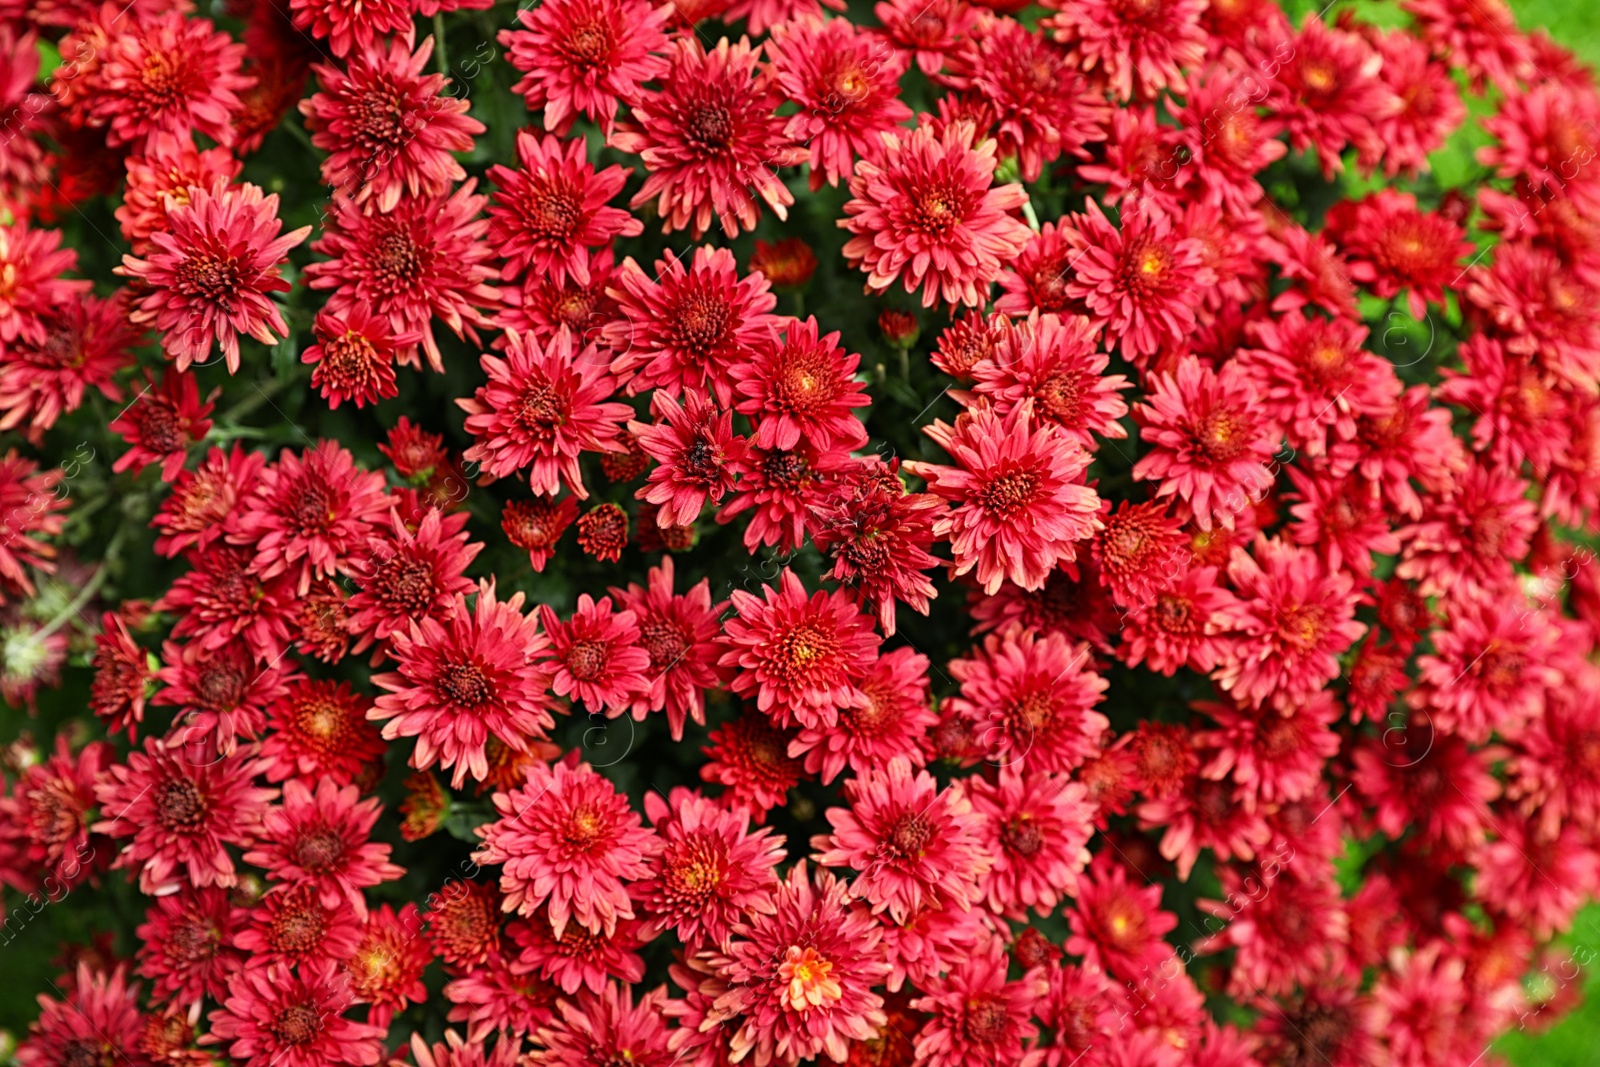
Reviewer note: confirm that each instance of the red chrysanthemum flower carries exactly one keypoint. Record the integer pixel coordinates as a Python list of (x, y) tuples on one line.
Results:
[(81, 346), (389, 128), (1054, 361), (424, 259), (1535, 303), (200, 501), (1392, 247), (927, 215), (273, 1015), (501, 997), (463, 923), (685, 329), (678, 632), (321, 839), (219, 601), (891, 724), (180, 807), (1180, 626), (552, 208), (566, 840), (169, 74), (223, 693), (33, 263), (847, 87), (30, 502), (784, 490), (1209, 444), (1036, 827), (123, 677), (1430, 107), (167, 168), (459, 1052), (710, 141), (913, 845), (1021, 505), (1030, 698), (1490, 671), (1142, 279), (802, 657), (972, 338), (188, 944), (350, 27), (749, 758), (210, 273), (695, 449), (49, 807), (308, 514), (1140, 552), (98, 1021), (353, 357), (799, 980), (603, 532), (711, 871), (1041, 104), (162, 423), (977, 1015), (536, 525), (930, 32), (319, 731), (1468, 542), (407, 574), (583, 57), (292, 926), (606, 1026), (1152, 43), (594, 656), (1328, 93), (463, 679), (386, 967), (802, 386), (1116, 926), (544, 406)]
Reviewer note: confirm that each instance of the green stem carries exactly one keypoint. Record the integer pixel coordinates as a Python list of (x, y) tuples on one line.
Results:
[(262, 394), (299, 134), (1028, 213), (440, 59), (799, 304), (90, 588)]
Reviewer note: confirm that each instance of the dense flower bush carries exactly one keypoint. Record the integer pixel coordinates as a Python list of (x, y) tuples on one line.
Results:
[(766, 531)]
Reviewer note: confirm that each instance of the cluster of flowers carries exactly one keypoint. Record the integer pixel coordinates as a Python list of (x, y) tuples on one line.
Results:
[(1271, 733)]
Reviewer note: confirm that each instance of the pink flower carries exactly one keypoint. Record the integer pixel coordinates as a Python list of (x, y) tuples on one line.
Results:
[(583, 57), (928, 217), (604, 1028), (594, 656), (210, 274), (803, 386), (552, 207), (406, 573), (977, 1015), (695, 449), (181, 806), (294, 1018), (1053, 361), (892, 723), (1036, 826), (915, 846), (799, 980), (567, 840), (801, 657), (678, 631), (168, 74), (463, 679), (1116, 926), (1021, 505), (321, 839), (543, 407)]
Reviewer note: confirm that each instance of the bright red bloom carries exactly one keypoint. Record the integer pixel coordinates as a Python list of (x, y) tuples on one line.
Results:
[(210, 274), (1152, 43), (386, 968), (1053, 360), (891, 724), (926, 215), (544, 406), (678, 632), (319, 731), (537, 525), (501, 997), (292, 926), (914, 845), (353, 358), (1036, 826), (803, 386), (167, 167), (1021, 505), (848, 91), (1209, 444), (687, 329), (352, 29), (799, 980), (1295, 618), (180, 808), (710, 141), (978, 1016), (194, 511), (321, 839), (553, 206), (606, 1026), (583, 57), (1140, 552), (1041, 104), (1430, 106), (219, 601), (123, 677), (164, 421), (1116, 926), (423, 260), (1468, 541), (603, 532), (566, 840), (695, 449), (29, 502), (308, 514), (1180, 626), (82, 345), (1533, 302), (1490, 671), (749, 758), (223, 693), (594, 656), (785, 490), (464, 679), (187, 944), (930, 32), (49, 806), (169, 74), (1328, 93), (1030, 699), (98, 1021), (1288, 936), (1392, 246), (275, 1016), (405, 574), (801, 657), (972, 338)]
